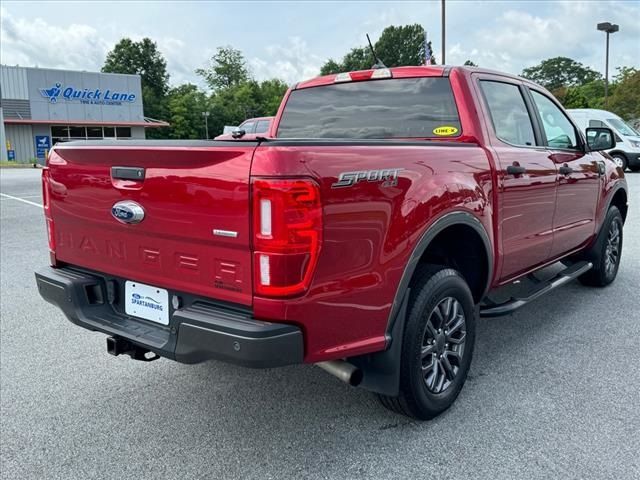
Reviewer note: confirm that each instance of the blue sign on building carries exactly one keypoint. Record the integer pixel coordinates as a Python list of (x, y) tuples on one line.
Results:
[(11, 155), (43, 145), (93, 96)]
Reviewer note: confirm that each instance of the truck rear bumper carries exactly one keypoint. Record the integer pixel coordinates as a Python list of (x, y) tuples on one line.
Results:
[(198, 331)]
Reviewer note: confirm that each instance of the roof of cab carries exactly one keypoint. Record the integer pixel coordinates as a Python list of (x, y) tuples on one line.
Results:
[(409, 72)]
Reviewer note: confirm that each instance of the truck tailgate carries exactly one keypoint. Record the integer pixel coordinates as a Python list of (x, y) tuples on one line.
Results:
[(194, 236)]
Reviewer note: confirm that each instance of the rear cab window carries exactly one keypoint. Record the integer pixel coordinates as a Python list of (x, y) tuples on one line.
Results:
[(421, 107)]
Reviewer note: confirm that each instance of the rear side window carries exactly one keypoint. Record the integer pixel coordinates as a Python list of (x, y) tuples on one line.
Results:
[(262, 126), (394, 108), (511, 120)]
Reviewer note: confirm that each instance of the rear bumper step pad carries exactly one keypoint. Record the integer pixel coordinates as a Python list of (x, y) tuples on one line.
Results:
[(196, 333)]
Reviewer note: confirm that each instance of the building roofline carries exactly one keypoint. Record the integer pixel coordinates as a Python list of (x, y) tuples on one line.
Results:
[(68, 70)]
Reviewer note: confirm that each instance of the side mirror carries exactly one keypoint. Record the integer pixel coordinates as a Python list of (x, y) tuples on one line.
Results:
[(238, 133), (600, 138)]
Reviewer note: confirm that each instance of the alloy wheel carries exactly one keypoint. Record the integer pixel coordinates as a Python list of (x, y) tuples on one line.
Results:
[(443, 344), (612, 250)]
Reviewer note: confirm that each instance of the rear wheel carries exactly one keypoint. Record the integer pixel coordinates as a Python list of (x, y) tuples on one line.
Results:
[(437, 345), (606, 252), (620, 160)]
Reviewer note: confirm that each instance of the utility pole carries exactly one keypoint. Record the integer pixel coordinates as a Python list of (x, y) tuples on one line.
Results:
[(206, 123), (443, 33), (608, 28)]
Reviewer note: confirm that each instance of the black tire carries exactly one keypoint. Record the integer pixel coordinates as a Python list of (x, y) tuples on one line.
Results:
[(620, 160), (435, 288), (606, 252)]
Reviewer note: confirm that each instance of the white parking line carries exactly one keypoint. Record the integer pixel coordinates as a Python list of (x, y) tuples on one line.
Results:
[(21, 200)]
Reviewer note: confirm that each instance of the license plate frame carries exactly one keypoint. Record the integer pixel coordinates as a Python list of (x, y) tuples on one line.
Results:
[(146, 302)]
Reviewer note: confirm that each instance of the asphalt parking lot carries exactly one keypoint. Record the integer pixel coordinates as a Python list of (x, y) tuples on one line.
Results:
[(554, 392)]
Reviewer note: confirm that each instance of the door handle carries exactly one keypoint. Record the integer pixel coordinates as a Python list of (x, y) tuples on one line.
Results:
[(565, 170), (516, 170), (127, 173)]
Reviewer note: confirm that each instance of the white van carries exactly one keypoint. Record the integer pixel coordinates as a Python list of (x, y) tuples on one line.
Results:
[(627, 150)]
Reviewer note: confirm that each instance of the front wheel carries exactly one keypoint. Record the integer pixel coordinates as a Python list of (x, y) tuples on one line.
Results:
[(437, 344), (606, 252)]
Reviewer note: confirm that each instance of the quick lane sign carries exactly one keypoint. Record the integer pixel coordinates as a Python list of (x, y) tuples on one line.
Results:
[(86, 95)]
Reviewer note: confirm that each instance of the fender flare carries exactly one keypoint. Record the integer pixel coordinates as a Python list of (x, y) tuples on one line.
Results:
[(447, 220), (614, 191), (382, 369)]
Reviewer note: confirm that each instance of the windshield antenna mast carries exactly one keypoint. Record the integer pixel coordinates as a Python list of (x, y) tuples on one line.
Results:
[(378, 63)]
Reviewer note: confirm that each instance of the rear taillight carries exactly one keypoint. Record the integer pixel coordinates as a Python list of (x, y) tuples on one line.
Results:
[(287, 235), (46, 204)]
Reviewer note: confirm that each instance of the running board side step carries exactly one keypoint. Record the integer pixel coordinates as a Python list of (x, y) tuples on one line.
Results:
[(510, 306)]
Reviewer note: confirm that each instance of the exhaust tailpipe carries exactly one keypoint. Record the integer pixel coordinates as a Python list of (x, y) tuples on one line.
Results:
[(345, 371)]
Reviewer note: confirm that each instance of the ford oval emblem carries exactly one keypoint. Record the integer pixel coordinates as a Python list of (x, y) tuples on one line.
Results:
[(127, 211)]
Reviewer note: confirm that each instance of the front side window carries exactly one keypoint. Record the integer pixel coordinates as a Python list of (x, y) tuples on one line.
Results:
[(511, 120), (377, 109), (247, 127), (557, 127), (262, 126)]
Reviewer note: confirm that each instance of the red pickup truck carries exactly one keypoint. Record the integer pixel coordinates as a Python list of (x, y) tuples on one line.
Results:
[(384, 212)]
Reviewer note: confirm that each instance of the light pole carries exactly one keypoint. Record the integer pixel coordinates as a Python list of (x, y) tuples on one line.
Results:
[(608, 28), (206, 122), (443, 33)]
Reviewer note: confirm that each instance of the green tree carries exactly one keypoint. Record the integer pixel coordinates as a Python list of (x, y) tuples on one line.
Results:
[(143, 58), (186, 105), (231, 106), (401, 46), (227, 68), (469, 63), (330, 66), (625, 99), (558, 72), (589, 95), (397, 46)]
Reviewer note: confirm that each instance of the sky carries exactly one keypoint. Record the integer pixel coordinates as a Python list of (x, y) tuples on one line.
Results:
[(291, 40)]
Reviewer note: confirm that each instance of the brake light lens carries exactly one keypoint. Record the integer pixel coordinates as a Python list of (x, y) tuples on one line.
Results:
[(287, 226), (361, 75)]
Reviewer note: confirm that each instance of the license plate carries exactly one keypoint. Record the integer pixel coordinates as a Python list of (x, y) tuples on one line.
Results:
[(145, 301)]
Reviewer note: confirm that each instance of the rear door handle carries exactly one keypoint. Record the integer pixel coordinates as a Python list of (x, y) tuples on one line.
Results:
[(516, 170), (565, 170)]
